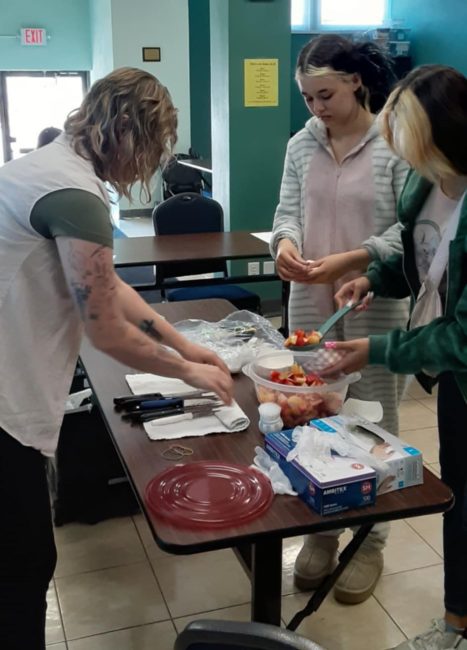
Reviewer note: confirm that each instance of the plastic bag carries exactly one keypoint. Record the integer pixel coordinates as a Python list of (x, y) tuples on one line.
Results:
[(75, 401), (237, 339), (267, 466), (314, 447)]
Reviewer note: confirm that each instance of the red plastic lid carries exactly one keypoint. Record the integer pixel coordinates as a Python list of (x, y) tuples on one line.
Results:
[(209, 494)]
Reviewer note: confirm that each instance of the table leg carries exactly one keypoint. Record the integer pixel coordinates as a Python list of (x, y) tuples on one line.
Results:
[(263, 563), (285, 292), (327, 584)]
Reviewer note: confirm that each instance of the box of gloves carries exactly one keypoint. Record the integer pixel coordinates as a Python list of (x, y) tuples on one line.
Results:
[(327, 482), (397, 464), (341, 462)]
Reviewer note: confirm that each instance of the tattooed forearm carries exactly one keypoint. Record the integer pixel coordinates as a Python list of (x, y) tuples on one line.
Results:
[(147, 326), (82, 293)]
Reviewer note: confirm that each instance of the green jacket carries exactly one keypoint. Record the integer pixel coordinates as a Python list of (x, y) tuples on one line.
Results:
[(442, 344)]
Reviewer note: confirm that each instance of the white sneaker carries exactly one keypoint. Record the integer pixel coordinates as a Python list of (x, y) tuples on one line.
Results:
[(436, 638)]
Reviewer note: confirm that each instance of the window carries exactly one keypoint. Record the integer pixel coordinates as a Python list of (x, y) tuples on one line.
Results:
[(32, 101), (300, 15), (322, 15)]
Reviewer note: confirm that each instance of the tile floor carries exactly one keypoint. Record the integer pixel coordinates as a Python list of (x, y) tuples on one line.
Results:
[(115, 590)]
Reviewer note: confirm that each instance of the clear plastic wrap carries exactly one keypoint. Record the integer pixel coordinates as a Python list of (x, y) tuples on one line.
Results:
[(237, 339)]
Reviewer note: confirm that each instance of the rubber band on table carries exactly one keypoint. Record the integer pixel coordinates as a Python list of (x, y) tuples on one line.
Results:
[(177, 451)]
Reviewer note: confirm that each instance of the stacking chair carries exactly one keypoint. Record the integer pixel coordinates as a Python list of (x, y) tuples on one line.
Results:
[(232, 635), (178, 178), (187, 213)]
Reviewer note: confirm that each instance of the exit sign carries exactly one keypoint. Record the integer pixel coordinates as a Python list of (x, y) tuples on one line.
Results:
[(33, 36)]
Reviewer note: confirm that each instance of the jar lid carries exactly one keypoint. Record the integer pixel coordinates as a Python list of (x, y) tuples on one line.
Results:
[(269, 410)]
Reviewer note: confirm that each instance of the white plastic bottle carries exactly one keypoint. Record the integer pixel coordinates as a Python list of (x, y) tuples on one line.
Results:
[(270, 420)]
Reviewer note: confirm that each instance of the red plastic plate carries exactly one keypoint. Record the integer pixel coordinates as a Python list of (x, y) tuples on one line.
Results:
[(209, 494)]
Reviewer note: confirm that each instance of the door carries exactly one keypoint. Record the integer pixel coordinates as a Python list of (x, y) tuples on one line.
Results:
[(32, 101)]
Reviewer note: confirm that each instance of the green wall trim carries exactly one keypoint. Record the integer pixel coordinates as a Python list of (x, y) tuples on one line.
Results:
[(248, 143), (200, 76)]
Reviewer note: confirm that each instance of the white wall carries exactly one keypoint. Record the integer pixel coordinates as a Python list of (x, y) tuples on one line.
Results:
[(101, 37), (120, 29), (157, 23)]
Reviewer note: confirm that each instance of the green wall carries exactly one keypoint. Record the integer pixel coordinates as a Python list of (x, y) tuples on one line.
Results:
[(69, 47), (438, 35), (200, 79), (248, 143), (257, 137), (438, 30), (299, 113), (200, 76)]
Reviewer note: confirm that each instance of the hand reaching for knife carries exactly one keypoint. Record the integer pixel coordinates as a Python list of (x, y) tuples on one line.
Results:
[(210, 378), (199, 354)]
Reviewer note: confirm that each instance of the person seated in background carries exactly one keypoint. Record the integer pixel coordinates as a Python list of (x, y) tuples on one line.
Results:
[(47, 135)]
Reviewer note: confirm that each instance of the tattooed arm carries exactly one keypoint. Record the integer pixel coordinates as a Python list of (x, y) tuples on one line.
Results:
[(151, 323), (104, 307)]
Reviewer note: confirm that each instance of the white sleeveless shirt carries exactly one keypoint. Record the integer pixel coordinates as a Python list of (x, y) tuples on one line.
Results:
[(40, 328)]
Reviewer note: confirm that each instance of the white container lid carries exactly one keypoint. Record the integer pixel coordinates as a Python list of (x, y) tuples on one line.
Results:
[(276, 359), (269, 410)]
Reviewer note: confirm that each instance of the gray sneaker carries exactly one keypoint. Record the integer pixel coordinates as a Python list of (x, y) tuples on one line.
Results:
[(436, 638)]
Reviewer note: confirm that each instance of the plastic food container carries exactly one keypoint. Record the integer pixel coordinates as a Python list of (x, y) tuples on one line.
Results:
[(299, 404)]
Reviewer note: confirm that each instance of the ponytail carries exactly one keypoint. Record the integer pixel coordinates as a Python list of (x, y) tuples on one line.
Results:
[(338, 54), (377, 73)]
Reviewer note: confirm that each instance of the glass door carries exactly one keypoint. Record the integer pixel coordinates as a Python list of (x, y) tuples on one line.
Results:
[(33, 101)]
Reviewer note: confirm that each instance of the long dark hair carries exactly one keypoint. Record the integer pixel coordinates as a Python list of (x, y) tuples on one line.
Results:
[(365, 58)]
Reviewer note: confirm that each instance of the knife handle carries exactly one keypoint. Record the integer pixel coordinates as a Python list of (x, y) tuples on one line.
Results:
[(136, 398), (161, 403), (171, 419), (161, 414), (149, 414)]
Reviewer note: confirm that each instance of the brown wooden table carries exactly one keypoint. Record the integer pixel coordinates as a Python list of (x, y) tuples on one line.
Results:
[(258, 543), (165, 249)]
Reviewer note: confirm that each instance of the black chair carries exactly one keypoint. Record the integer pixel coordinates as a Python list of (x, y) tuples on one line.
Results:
[(193, 213), (177, 178), (232, 635)]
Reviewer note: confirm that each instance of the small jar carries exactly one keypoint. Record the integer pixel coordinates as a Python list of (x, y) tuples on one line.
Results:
[(270, 420)]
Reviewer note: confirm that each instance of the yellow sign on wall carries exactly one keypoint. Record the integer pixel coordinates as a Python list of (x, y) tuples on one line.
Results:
[(261, 82)]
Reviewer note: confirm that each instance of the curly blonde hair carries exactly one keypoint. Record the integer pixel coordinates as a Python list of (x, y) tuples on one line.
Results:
[(126, 126)]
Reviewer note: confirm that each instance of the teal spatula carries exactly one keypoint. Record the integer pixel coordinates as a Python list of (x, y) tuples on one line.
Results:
[(326, 326)]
